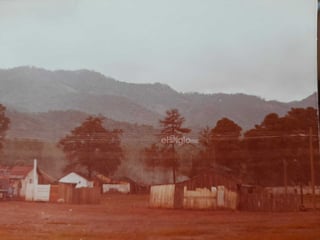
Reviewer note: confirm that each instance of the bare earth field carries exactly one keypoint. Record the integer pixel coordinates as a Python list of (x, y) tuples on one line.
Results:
[(128, 217)]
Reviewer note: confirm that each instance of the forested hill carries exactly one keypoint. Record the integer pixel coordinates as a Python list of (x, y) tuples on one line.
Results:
[(32, 90), (52, 126)]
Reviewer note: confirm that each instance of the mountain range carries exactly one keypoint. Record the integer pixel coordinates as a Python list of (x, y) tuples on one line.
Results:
[(36, 97)]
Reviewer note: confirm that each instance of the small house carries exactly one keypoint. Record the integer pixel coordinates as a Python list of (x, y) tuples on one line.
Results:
[(24, 178), (136, 187), (76, 189), (110, 185), (77, 179)]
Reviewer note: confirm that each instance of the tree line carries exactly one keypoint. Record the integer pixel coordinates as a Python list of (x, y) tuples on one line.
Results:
[(258, 155)]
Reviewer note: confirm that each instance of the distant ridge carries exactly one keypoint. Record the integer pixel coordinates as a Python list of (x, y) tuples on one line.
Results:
[(32, 90)]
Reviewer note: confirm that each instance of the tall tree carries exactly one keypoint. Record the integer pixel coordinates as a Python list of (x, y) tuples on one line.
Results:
[(4, 124), (206, 154), (264, 144), (171, 134), (225, 141), (220, 145), (93, 147), (282, 143)]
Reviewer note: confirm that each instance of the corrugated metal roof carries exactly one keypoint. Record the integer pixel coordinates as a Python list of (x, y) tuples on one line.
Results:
[(20, 171)]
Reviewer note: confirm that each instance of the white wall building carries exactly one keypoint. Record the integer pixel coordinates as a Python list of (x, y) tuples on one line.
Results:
[(75, 178)]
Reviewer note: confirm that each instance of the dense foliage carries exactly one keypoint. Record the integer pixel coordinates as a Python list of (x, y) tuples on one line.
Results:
[(93, 147), (220, 146), (283, 142), (263, 153)]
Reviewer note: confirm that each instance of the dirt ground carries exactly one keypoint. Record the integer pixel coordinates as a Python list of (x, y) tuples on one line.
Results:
[(128, 217)]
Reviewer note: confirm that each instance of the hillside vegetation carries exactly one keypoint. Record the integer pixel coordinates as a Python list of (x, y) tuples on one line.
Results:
[(44, 106)]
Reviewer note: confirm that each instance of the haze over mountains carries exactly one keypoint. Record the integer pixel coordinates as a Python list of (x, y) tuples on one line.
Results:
[(32, 90)]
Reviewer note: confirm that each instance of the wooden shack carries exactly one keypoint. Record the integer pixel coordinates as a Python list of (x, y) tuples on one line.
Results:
[(215, 188)]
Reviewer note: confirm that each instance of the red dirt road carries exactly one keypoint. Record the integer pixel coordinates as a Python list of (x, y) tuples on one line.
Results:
[(128, 217)]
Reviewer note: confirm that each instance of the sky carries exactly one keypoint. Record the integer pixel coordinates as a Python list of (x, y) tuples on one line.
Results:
[(265, 48)]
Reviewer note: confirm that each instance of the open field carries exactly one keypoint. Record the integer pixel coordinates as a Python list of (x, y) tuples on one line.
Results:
[(128, 217)]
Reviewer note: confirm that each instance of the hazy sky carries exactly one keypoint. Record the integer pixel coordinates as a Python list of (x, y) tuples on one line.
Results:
[(261, 47)]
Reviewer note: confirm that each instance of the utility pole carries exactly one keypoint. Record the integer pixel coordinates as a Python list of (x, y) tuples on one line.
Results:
[(318, 53), (312, 168)]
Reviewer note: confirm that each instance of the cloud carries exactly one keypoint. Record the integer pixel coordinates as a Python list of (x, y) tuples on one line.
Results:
[(263, 47)]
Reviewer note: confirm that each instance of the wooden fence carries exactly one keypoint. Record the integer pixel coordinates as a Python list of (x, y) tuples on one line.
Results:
[(67, 193), (263, 201), (220, 197), (162, 196), (201, 198), (38, 192), (42, 193), (178, 196)]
